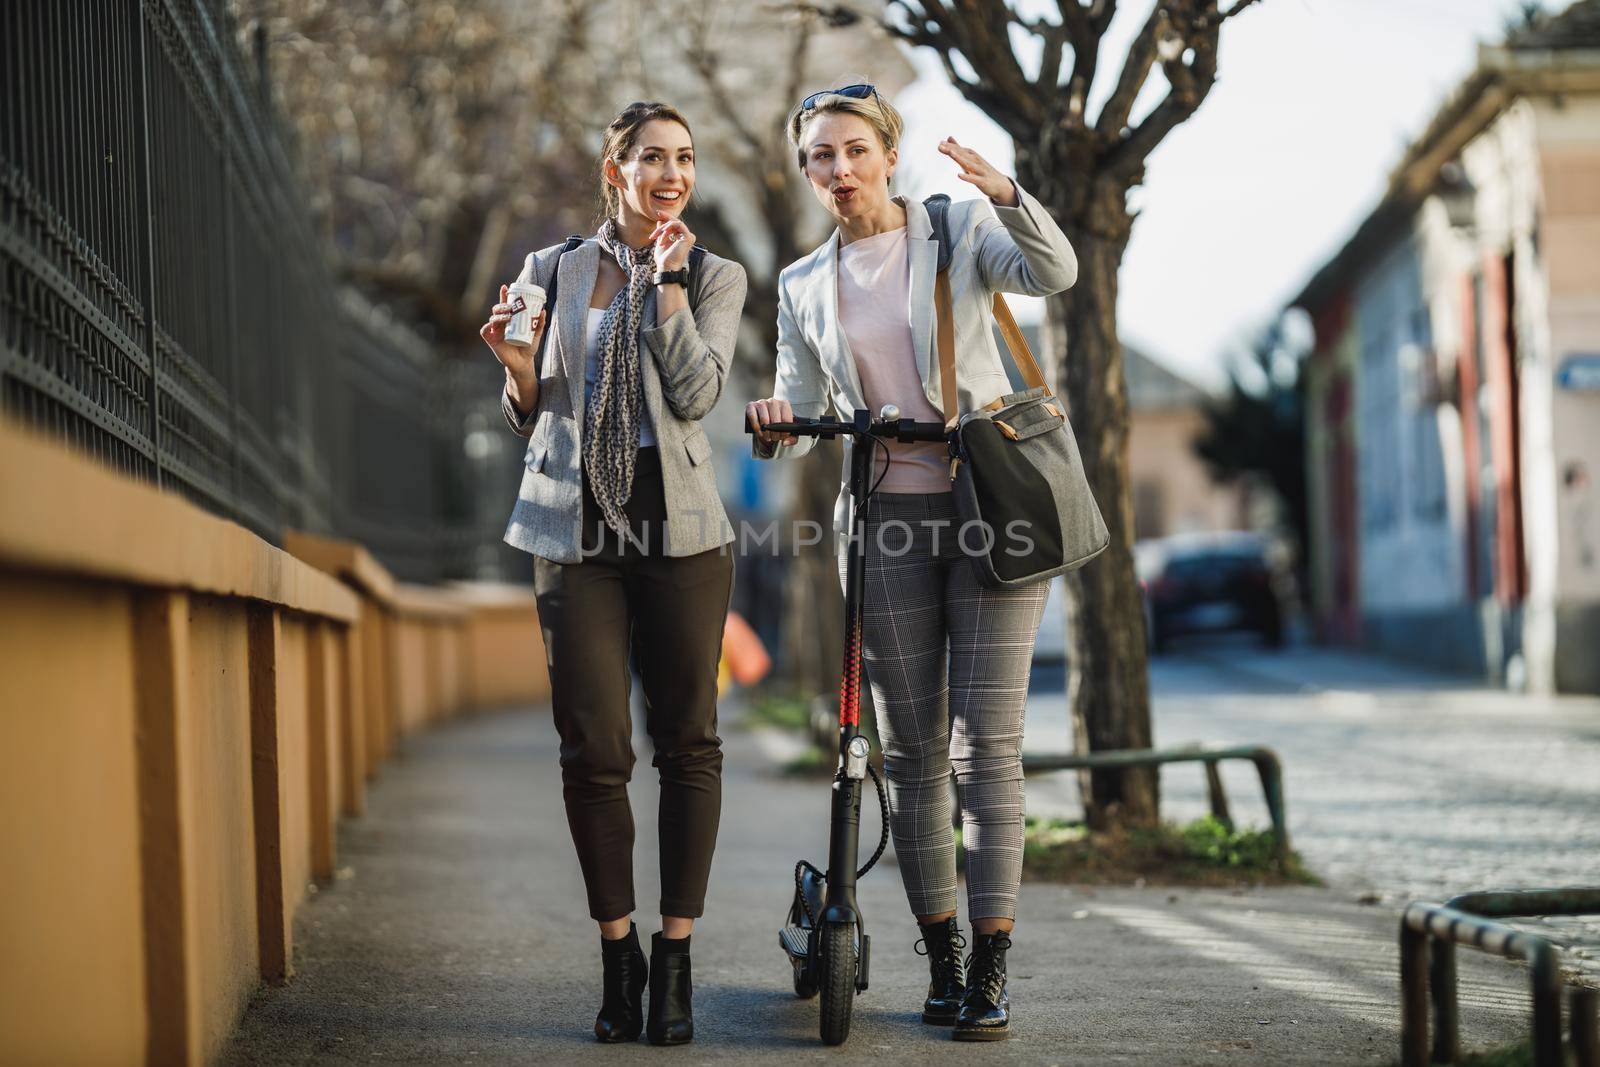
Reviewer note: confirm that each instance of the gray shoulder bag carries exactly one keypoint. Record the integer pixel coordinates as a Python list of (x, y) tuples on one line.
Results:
[(1016, 468)]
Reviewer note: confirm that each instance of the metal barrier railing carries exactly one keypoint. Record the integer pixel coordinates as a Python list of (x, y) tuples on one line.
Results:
[(1429, 934), (167, 307), (1266, 761)]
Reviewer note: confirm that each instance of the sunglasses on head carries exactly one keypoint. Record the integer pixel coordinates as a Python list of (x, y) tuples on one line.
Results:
[(855, 92)]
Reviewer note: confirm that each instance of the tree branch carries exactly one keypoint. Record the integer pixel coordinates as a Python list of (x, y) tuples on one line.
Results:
[(1135, 70), (978, 31), (797, 66), (1054, 38), (706, 66), (1190, 79), (1217, 18)]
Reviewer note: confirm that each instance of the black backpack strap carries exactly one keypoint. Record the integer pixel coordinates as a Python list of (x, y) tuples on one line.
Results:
[(555, 272), (696, 255), (938, 206), (555, 277)]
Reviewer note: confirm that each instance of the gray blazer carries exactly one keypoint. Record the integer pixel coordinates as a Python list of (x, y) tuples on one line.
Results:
[(995, 249), (686, 363)]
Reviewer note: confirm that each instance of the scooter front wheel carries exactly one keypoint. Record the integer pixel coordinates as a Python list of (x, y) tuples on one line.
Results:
[(838, 980)]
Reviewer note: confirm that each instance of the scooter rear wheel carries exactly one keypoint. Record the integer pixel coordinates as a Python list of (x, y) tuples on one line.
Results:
[(838, 965)]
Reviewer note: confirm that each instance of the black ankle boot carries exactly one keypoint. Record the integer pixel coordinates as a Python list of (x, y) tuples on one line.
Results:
[(985, 1013), (942, 943), (671, 992), (621, 1009)]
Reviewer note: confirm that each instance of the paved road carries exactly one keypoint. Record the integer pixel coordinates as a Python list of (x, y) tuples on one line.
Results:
[(457, 935), (1400, 782)]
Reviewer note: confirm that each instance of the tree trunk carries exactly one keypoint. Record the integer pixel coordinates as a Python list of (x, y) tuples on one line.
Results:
[(1108, 684)]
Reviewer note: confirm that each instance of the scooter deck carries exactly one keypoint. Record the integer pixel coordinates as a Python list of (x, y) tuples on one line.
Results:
[(795, 940)]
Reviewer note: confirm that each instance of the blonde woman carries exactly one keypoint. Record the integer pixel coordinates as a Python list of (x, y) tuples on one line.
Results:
[(947, 658)]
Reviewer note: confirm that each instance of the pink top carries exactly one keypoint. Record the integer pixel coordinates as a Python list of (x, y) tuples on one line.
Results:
[(875, 313)]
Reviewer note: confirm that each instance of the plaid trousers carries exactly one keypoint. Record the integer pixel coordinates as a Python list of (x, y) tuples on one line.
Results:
[(947, 659)]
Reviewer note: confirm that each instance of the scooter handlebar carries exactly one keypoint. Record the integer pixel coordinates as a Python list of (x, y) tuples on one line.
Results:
[(828, 426)]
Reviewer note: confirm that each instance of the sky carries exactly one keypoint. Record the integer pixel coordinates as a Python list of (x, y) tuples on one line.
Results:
[(1315, 102)]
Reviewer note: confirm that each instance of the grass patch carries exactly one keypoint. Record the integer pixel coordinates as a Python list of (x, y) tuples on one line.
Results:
[(813, 763), (785, 711), (1518, 1055), (1509, 1056), (1201, 853)]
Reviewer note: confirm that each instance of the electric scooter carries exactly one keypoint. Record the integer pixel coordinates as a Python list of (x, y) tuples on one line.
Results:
[(825, 937)]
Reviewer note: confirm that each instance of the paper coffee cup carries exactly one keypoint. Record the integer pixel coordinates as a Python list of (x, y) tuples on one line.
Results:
[(526, 300)]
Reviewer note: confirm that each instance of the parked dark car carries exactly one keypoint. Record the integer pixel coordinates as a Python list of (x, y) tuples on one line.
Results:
[(1212, 583)]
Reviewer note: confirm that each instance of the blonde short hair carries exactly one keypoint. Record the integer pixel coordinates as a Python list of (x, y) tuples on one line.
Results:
[(878, 113)]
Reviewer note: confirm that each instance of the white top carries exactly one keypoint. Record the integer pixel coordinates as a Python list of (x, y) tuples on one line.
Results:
[(875, 313), (591, 368)]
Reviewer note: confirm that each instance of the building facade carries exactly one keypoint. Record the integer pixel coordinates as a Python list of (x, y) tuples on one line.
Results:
[(1453, 416)]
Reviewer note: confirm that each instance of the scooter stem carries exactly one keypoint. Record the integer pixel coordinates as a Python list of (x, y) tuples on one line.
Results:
[(845, 835)]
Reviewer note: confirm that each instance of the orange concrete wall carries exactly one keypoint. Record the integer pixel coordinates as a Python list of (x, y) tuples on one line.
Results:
[(506, 660), (185, 712), (216, 822), (71, 928), (376, 668), (292, 780), (411, 675)]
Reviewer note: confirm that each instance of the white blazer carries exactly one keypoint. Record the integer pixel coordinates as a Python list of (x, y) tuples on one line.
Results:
[(994, 250)]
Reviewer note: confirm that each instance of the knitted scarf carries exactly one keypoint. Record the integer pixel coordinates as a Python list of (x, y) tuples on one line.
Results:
[(611, 414)]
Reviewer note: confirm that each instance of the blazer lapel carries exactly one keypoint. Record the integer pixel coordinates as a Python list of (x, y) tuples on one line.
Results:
[(837, 358), (577, 272)]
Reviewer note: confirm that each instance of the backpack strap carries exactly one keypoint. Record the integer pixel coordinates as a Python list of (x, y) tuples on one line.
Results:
[(697, 255), (568, 245), (550, 290), (938, 206)]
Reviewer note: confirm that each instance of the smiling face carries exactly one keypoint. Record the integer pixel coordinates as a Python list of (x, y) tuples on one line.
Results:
[(846, 164), (656, 173)]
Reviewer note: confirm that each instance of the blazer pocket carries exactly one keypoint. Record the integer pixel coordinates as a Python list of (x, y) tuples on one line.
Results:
[(533, 459), (539, 441), (696, 445)]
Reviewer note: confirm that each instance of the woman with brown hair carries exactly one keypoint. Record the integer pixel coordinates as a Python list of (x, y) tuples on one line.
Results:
[(619, 507)]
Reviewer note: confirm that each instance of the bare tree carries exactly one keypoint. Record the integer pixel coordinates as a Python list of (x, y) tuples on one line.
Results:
[(1082, 169), (439, 140)]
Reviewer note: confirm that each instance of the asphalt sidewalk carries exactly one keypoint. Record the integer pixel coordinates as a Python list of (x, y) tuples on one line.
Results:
[(456, 933)]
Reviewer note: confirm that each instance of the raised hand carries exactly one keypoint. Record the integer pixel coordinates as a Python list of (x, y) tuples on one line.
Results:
[(977, 170), (673, 242)]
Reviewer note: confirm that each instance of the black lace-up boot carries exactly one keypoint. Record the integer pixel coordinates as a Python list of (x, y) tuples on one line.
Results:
[(671, 992), (942, 943), (621, 1004), (985, 1013)]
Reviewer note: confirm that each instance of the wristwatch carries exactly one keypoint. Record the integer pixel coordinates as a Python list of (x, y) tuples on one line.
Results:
[(672, 277)]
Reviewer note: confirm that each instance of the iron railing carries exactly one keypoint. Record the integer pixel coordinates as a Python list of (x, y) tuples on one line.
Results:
[(167, 307), (1268, 768), (1429, 934)]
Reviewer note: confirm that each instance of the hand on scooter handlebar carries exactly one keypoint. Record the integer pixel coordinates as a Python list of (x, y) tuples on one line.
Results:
[(758, 414)]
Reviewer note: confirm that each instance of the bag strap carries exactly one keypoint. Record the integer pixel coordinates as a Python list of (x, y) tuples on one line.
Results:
[(696, 255), (938, 207), (555, 282)]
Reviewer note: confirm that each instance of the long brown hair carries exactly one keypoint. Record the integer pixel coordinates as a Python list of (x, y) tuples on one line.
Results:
[(621, 136)]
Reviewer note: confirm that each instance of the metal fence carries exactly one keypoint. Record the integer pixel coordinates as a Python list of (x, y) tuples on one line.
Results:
[(167, 308)]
